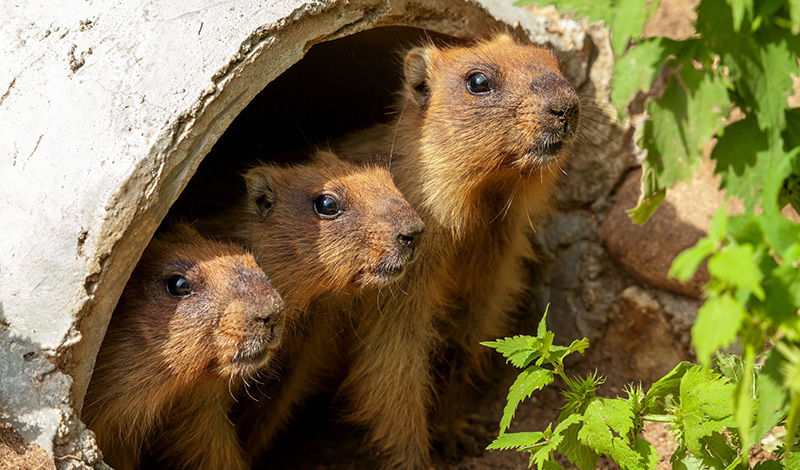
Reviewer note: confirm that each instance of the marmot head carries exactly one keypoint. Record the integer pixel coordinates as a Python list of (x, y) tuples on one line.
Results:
[(328, 225), (202, 307), (505, 101)]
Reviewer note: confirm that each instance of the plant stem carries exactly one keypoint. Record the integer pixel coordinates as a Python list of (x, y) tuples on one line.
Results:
[(659, 418), (791, 424)]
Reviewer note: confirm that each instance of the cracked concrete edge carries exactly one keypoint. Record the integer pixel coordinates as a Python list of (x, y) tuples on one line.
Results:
[(138, 197)]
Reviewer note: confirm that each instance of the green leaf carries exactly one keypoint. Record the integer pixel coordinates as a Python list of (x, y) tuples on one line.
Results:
[(529, 380), (782, 288), (718, 452), (516, 440), (686, 116), (780, 233), (579, 345), (595, 11), (607, 424), (666, 391), (518, 350), (792, 461), (736, 265), (739, 7), (705, 406), (773, 400), (685, 264), (578, 453), (773, 82), (603, 416), (742, 160), (682, 459), (540, 332), (717, 325), (769, 465), (648, 455), (631, 15), (550, 465), (794, 12), (641, 213), (635, 71)]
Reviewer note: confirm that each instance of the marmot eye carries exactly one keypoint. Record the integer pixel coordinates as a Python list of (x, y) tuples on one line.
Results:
[(178, 286), (478, 84), (326, 206)]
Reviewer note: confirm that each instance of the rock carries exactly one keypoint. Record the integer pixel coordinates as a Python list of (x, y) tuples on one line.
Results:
[(647, 251), (638, 339)]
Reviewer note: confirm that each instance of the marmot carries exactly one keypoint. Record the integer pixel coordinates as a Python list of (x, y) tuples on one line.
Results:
[(480, 138), (324, 231), (197, 318)]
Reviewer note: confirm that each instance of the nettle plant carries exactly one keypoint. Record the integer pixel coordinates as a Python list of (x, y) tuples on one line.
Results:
[(729, 83)]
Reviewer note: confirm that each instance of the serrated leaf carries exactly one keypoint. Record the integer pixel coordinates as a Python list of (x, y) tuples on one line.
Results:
[(742, 160), (648, 455), (646, 207), (635, 71), (773, 400), (717, 325), (606, 426), (686, 264), (529, 380), (542, 329), (628, 23), (595, 11), (518, 350), (685, 117), (516, 440), (770, 465), (780, 233), (577, 453), (776, 63), (541, 456), (550, 465), (567, 422), (682, 459), (579, 345), (794, 15), (666, 391), (782, 288), (718, 451), (736, 265), (706, 401), (557, 353), (739, 7), (792, 461)]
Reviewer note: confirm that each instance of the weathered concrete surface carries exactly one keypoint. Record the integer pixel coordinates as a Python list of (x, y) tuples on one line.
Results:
[(108, 109)]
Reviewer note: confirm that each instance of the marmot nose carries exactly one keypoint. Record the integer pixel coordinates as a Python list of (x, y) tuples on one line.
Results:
[(561, 104), (270, 310)]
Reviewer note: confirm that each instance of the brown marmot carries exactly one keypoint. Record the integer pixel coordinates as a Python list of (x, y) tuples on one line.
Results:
[(478, 144), (324, 231), (197, 318)]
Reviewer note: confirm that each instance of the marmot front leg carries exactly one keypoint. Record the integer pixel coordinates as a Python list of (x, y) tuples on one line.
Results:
[(200, 435), (389, 385), (305, 370)]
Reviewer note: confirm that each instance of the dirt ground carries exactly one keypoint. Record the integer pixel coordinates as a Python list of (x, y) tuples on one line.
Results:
[(15, 454)]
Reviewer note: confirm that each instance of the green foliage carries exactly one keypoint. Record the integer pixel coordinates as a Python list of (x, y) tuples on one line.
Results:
[(727, 85), (696, 402)]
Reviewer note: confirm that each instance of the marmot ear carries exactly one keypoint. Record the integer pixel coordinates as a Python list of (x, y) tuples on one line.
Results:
[(261, 195), (418, 64)]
